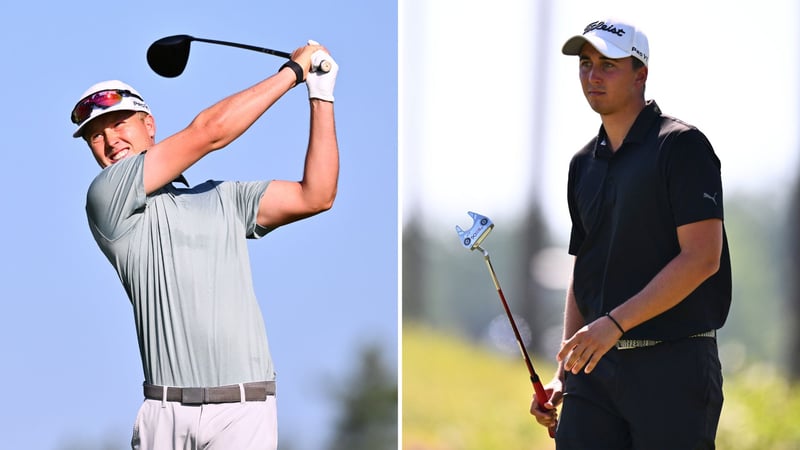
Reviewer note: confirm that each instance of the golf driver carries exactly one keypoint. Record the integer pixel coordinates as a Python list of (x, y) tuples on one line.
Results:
[(168, 56), (472, 239)]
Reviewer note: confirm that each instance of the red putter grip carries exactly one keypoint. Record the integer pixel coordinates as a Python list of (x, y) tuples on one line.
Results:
[(541, 398)]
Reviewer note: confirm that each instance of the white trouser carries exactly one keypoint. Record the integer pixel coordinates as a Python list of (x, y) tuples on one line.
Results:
[(162, 425)]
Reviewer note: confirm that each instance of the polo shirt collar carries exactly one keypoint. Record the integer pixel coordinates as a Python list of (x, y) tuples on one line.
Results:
[(637, 134), (181, 179)]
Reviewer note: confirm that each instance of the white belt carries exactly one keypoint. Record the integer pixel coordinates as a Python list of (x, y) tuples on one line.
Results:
[(627, 344)]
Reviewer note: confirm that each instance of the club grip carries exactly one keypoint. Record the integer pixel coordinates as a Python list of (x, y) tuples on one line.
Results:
[(541, 398), (318, 62)]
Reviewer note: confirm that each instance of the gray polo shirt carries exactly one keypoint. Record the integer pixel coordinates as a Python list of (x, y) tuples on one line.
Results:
[(182, 257)]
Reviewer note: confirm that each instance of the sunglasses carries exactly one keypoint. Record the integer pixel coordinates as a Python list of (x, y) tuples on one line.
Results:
[(102, 99)]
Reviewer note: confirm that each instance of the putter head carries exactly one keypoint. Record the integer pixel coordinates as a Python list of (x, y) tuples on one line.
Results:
[(481, 226)]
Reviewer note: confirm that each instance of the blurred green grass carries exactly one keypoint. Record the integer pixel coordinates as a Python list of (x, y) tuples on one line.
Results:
[(457, 396)]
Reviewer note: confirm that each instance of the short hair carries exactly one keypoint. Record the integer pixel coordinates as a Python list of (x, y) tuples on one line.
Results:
[(637, 64)]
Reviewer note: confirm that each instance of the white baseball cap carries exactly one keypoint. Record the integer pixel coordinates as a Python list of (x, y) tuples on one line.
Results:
[(613, 38), (114, 96)]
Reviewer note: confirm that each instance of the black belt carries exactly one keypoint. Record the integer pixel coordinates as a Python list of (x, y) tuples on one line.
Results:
[(253, 392), (627, 344)]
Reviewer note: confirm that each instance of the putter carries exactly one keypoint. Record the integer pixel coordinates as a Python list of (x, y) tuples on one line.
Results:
[(472, 239), (168, 56)]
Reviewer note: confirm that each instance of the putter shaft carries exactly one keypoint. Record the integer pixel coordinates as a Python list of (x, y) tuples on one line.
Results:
[(472, 239), (541, 395)]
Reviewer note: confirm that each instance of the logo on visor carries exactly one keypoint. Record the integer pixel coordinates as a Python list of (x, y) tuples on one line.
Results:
[(640, 53)]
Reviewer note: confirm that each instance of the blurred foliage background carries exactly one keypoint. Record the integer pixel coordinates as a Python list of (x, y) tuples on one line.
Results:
[(466, 387)]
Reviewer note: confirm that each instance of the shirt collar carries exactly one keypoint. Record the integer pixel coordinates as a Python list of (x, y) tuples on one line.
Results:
[(637, 134), (181, 179)]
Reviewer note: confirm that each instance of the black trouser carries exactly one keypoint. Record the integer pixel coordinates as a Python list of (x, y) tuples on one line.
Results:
[(668, 396)]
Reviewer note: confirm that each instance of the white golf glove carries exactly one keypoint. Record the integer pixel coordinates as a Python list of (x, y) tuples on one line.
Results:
[(320, 84)]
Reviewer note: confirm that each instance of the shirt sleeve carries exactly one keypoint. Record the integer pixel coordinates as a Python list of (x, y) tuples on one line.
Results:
[(115, 196), (577, 233), (695, 182), (248, 198)]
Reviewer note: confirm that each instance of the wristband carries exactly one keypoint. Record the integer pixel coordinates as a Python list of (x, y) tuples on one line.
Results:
[(298, 71), (619, 327)]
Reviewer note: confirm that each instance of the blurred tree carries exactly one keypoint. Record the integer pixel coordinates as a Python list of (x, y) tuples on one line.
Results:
[(368, 415), (535, 235), (758, 327), (536, 308), (413, 268), (793, 276)]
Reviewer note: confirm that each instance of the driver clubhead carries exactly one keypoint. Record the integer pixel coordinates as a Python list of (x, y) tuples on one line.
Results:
[(481, 226), (168, 56)]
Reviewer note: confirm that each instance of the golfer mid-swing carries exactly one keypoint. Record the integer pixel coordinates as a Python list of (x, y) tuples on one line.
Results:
[(182, 257)]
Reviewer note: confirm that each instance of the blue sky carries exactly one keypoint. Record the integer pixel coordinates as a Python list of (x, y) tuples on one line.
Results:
[(327, 285)]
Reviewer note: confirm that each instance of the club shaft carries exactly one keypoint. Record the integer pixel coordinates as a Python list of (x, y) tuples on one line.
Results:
[(522, 348), (246, 47), (541, 395)]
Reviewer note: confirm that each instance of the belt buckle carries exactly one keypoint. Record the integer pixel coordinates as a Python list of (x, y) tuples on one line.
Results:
[(629, 344), (193, 396), (626, 344)]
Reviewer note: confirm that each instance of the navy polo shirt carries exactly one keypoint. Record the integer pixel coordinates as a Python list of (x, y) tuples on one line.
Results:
[(625, 208)]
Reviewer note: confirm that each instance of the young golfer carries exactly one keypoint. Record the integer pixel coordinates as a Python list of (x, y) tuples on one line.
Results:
[(651, 284)]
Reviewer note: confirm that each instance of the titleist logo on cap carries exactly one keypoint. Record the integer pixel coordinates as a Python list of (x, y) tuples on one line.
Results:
[(600, 25)]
